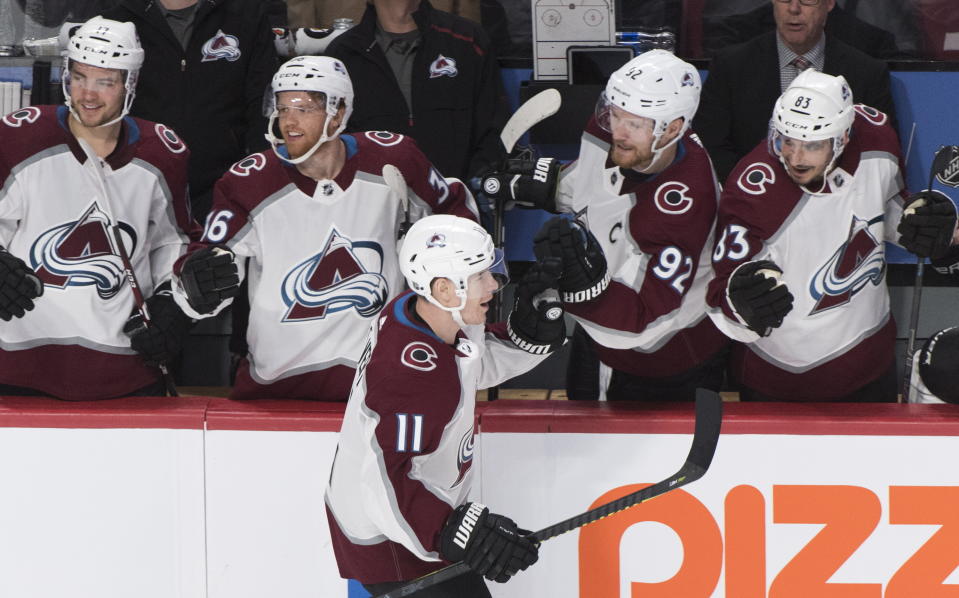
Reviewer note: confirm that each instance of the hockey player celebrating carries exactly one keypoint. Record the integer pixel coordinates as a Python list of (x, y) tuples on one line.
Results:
[(646, 188), (799, 257), (403, 469), (73, 176), (319, 225)]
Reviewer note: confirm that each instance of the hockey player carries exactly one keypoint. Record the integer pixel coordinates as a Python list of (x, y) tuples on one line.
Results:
[(800, 259), (319, 225), (398, 492), (62, 283), (646, 188), (935, 370)]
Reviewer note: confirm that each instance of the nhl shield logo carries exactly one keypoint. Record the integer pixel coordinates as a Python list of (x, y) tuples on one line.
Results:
[(950, 176), (443, 66), (220, 46)]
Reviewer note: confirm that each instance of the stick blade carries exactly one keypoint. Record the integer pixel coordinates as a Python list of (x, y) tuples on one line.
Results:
[(542, 105), (709, 421)]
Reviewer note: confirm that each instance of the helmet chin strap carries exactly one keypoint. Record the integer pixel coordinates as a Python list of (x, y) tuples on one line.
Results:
[(455, 312), (658, 152), (275, 141)]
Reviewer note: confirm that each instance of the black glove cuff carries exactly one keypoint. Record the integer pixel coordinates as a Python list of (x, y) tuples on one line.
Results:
[(587, 294), (533, 346), (462, 527)]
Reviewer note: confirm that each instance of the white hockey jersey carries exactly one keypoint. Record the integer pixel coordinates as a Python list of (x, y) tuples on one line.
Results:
[(839, 335), (54, 216), (405, 453), (322, 258), (656, 232)]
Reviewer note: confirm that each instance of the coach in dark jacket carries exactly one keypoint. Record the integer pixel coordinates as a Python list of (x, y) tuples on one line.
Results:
[(448, 93), (207, 65), (745, 80)]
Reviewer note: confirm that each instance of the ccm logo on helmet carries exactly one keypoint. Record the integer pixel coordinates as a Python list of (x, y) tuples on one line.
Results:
[(671, 198), (419, 356), (754, 179)]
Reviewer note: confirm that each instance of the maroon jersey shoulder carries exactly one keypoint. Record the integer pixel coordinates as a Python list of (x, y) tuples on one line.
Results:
[(376, 149), (874, 132), (28, 131), (254, 178), (414, 365), (759, 193), (159, 144)]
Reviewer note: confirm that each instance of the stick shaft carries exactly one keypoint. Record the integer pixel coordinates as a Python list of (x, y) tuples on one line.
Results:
[(705, 440), (121, 251)]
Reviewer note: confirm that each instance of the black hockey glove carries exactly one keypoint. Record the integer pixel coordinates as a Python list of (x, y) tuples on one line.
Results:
[(758, 296), (524, 183), (209, 277), (491, 545), (928, 224), (536, 323), (584, 265), (160, 341), (19, 286)]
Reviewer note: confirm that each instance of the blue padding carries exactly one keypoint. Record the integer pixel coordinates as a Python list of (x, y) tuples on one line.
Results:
[(356, 590)]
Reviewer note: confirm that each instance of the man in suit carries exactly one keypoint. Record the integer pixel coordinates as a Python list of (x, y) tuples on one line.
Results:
[(745, 80)]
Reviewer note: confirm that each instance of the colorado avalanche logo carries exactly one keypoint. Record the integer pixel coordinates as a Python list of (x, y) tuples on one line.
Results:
[(855, 264), (170, 139), (754, 179), (688, 80), (249, 164), (384, 138), (443, 66), (419, 356), (220, 46), (28, 115), (81, 253), (464, 457), (671, 198), (437, 240), (874, 116), (336, 280)]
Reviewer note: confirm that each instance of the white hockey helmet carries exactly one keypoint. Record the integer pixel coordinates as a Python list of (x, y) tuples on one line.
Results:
[(655, 85), (106, 44), (815, 107), (321, 74), (445, 246)]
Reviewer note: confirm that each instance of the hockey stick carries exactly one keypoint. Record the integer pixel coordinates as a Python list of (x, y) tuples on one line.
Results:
[(533, 111), (709, 408), (121, 251), (542, 105), (940, 162), (397, 184)]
